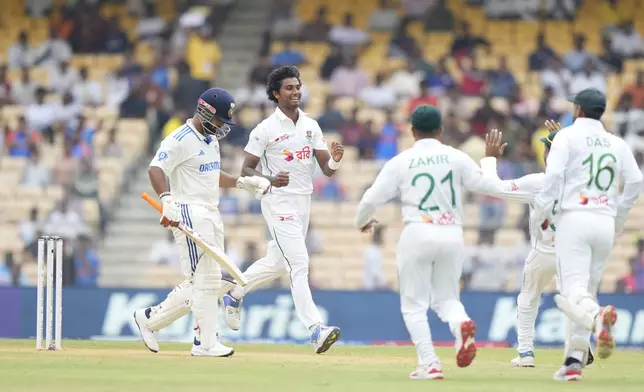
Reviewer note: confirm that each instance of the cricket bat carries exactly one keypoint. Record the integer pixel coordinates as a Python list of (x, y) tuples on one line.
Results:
[(217, 254)]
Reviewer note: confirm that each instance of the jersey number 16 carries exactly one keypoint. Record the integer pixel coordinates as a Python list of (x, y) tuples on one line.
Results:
[(596, 170)]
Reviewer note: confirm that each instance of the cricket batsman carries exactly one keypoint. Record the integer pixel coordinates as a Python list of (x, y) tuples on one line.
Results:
[(190, 158), (288, 143), (430, 179), (584, 169), (541, 264)]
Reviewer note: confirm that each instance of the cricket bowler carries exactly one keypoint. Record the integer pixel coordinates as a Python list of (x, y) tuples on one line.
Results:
[(584, 169), (430, 179), (288, 144), (190, 158)]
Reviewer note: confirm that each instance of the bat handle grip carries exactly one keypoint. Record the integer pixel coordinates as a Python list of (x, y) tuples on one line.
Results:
[(152, 201)]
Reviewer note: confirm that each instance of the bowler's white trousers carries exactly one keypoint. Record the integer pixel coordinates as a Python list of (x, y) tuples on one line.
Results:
[(539, 269), (584, 243), (430, 262), (287, 217)]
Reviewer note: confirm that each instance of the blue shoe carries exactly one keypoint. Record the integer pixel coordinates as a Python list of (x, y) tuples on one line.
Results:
[(232, 311), (324, 337)]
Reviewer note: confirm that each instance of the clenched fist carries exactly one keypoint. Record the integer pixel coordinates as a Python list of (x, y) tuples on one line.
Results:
[(280, 180)]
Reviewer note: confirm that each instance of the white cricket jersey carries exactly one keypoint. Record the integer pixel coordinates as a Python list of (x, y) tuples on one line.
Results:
[(284, 146), (584, 168), (429, 178), (524, 190), (191, 161)]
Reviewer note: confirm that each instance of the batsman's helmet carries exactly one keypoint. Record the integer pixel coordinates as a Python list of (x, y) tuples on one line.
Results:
[(216, 104)]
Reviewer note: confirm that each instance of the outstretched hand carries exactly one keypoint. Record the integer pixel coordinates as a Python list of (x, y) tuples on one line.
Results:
[(552, 126), (493, 146), (337, 151)]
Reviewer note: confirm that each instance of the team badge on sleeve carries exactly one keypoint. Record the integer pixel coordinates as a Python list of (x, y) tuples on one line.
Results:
[(162, 156), (309, 135)]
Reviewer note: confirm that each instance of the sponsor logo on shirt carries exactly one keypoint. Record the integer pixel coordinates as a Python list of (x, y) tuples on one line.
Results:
[(162, 156), (280, 138), (208, 167), (287, 218), (201, 153), (585, 200), (289, 155)]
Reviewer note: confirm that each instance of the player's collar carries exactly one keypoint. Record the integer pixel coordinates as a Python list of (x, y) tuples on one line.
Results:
[(282, 117), (205, 139), (428, 142), (588, 122)]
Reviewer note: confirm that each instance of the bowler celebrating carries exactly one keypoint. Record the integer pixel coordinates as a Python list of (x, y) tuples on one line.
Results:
[(288, 143), (190, 157), (584, 169)]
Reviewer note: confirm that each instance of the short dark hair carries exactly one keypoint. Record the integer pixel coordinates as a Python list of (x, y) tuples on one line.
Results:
[(277, 76)]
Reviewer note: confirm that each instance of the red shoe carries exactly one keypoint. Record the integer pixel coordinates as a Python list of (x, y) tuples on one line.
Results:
[(466, 344), (568, 373), (605, 339)]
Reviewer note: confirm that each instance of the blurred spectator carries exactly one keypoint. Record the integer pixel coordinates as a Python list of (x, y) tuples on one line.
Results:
[(313, 241), (20, 54), (332, 61), (35, 173), (151, 25), (10, 271), (251, 95), (174, 122), (556, 77), (637, 90), (5, 86), (352, 130), (69, 111), (474, 80), (464, 42), (116, 39), (368, 142), (62, 77), (29, 227), (374, 278), (611, 15), (112, 148), (576, 58), (384, 18), (131, 69), (86, 262), (379, 95), (482, 116), (329, 188), (287, 26), (454, 134), (627, 42), (502, 82), (405, 81), (160, 72), (118, 88), (188, 89), (86, 91), (228, 203), (251, 254), (438, 17), (136, 104), (387, 144), (203, 56), (610, 60), (53, 51), (88, 34), (42, 116), (423, 98), (348, 80), (440, 81), (38, 8), (165, 251), (628, 121), (85, 184), (62, 20), (331, 119), (416, 9), (347, 34), (66, 167), (82, 136), (64, 221), (402, 44), (560, 9), (512, 9), (318, 29), (22, 140), (24, 91), (589, 77), (232, 253), (288, 55), (259, 73), (539, 58)]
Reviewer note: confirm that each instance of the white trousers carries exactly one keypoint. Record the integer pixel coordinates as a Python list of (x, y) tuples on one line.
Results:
[(208, 224), (287, 218), (430, 262), (584, 243), (538, 271)]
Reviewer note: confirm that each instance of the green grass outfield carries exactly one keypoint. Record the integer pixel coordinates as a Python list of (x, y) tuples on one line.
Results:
[(127, 366)]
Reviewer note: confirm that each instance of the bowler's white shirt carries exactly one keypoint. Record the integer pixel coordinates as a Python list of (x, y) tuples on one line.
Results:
[(583, 171), (192, 162), (284, 146), (429, 178)]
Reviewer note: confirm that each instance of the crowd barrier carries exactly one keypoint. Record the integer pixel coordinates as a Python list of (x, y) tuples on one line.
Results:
[(269, 316)]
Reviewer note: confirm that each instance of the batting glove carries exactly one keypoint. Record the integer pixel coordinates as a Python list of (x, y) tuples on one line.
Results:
[(257, 186), (171, 212)]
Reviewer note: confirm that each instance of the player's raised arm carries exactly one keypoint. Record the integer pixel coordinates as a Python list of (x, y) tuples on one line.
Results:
[(632, 176), (329, 162), (383, 190), (256, 147), (555, 166)]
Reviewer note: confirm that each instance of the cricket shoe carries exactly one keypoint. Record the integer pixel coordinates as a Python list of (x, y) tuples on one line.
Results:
[(232, 311), (465, 343), (323, 338), (571, 372), (525, 359), (591, 357), (141, 317), (428, 372), (218, 350), (604, 331)]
